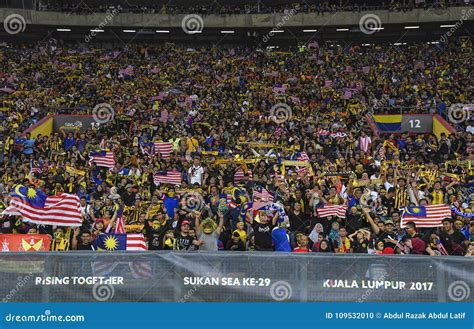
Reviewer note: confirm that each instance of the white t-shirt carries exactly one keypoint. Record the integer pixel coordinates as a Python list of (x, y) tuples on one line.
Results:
[(387, 185), (195, 174)]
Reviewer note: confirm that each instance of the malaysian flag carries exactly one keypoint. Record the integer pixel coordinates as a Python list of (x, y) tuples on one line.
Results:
[(382, 152), (305, 158), (364, 143), (332, 210), (36, 170), (426, 216), (240, 176), (35, 207), (136, 242), (146, 148), (164, 148), (279, 89), (114, 241), (262, 194), (328, 83), (168, 177), (102, 159), (128, 71)]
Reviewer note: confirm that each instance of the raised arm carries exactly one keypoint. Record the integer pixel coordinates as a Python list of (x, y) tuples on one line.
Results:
[(275, 218), (197, 223), (74, 238), (369, 218), (221, 222)]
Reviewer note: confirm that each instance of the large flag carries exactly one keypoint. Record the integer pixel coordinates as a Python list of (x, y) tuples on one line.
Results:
[(111, 241), (168, 177), (332, 210), (164, 148), (102, 159), (120, 226), (426, 216), (25, 242), (35, 207), (262, 194)]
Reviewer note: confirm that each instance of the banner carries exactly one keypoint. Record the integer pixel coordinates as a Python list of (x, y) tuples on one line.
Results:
[(25, 242), (72, 122), (292, 163), (164, 276), (75, 171)]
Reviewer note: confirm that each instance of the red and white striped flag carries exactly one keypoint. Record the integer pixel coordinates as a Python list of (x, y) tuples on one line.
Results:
[(382, 152), (169, 177), (305, 158), (120, 227), (36, 170), (239, 175), (262, 194), (426, 216), (61, 209), (164, 148), (103, 159), (136, 242), (332, 210), (364, 143)]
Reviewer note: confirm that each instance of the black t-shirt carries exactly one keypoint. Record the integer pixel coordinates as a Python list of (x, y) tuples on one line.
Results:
[(129, 198), (388, 203), (263, 235), (353, 223), (452, 242), (298, 222), (443, 148), (155, 236), (458, 237), (385, 235), (233, 246), (81, 246), (184, 242), (360, 247)]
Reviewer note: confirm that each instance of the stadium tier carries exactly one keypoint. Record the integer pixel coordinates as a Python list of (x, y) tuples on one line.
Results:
[(237, 148)]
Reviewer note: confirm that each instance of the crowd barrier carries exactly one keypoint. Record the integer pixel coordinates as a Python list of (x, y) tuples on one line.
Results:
[(233, 277)]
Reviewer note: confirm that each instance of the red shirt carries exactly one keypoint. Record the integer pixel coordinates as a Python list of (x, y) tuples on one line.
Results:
[(300, 249)]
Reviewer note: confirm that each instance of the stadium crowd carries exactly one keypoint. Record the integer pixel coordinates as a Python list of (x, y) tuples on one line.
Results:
[(255, 7), (201, 140)]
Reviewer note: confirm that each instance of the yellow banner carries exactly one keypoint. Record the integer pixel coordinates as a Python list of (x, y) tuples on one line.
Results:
[(133, 227), (75, 171)]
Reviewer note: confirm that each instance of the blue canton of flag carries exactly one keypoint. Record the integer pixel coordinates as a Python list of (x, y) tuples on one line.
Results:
[(110, 241), (35, 198), (419, 211)]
